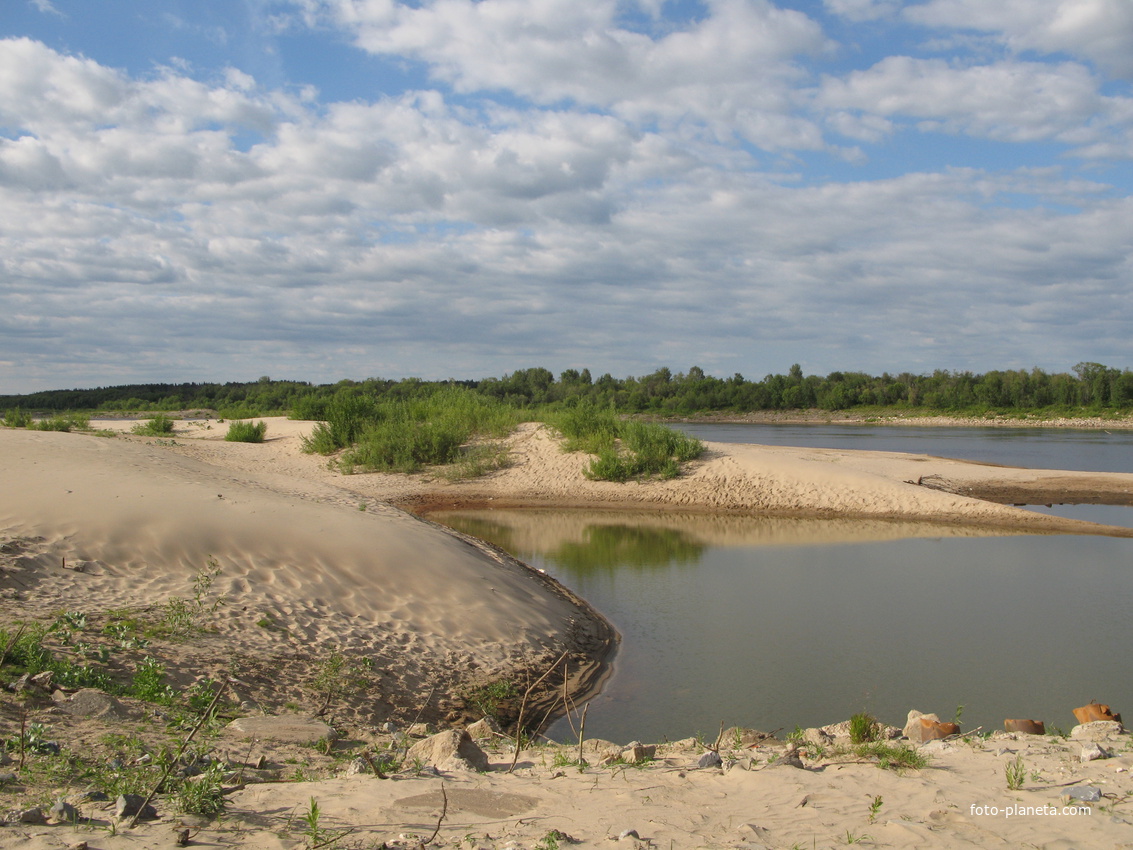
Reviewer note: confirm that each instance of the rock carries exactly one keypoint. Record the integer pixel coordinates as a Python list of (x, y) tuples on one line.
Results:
[(7, 777), (128, 805), (1097, 730), (64, 812), (1082, 794), (388, 727), (790, 758), (356, 767), (1093, 752), (740, 736), (927, 727), (1025, 727), (628, 833), (484, 729), (709, 759), (43, 680), (636, 752), (286, 728), (420, 730), (33, 815), (94, 797), (450, 750), (1093, 712)]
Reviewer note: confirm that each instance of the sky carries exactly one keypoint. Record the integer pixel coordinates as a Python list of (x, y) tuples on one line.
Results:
[(217, 190)]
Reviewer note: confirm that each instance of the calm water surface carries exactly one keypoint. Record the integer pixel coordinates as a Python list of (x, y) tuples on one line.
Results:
[(771, 623)]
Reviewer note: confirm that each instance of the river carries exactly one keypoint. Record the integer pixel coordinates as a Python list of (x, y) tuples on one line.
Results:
[(773, 623)]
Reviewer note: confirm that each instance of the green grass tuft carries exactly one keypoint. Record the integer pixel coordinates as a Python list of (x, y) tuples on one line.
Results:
[(160, 426), (246, 432)]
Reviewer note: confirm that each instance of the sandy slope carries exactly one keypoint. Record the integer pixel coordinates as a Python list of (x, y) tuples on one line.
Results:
[(91, 523)]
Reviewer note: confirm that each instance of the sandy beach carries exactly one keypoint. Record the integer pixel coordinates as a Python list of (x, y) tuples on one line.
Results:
[(312, 565)]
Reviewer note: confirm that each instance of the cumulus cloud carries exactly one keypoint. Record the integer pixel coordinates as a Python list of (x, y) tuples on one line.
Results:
[(1006, 101), (568, 190), (734, 67), (1100, 31)]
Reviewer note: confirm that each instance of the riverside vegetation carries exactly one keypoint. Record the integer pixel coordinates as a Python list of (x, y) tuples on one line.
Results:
[(1089, 389)]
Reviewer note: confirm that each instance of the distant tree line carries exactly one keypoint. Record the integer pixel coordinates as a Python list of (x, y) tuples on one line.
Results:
[(1089, 387)]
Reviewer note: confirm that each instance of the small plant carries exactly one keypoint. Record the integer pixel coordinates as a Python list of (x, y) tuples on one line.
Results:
[(875, 808), (149, 682), (551, 840), (864, 728), (337, 675), (182, 617), (160, 426), (852, 838), (315, 833), (892, 756), (486, 699), (203, 794), (1016, 772), (246, 432)]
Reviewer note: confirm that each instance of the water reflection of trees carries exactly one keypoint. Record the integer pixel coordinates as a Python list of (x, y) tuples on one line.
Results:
[(612, 547)]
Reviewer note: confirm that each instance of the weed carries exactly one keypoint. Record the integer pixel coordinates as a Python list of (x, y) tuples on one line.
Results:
[(551, 840), (875, 808), (149, 683), (1016, 772), (486, 699), (182, 617), (203, 794), (851, 838), (892, 756), (246, 432), (336, 675), (864, 728), (159, 426)]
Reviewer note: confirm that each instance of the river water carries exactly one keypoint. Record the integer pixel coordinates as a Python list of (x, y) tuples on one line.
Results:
[(773, 623)]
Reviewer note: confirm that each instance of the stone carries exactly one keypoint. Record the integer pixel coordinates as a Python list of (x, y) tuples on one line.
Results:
[(709, 759), (1082, 794), (1097, 730), (450, 750), (288, 729), (636, 752), (927, 727), (420, 730), (128, 805), (1093, 752), (1025, 727), (1095, 711), (484, 729), (64, 812), (356, 767), (628, 833), (33, 815)]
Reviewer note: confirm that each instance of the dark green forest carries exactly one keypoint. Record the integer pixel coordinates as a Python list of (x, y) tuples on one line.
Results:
[(1089, 388)]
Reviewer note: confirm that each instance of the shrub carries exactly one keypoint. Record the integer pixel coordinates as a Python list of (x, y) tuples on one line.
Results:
[(404, 436), (16, 418), (246, 432), (160, 426), (624, 450), (62, 422)]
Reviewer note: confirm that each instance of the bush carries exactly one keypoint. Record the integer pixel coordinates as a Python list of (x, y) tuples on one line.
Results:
[(62, 422), (16, 418), (624, 450), (404, 436), (160, 426), (246, 432)]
